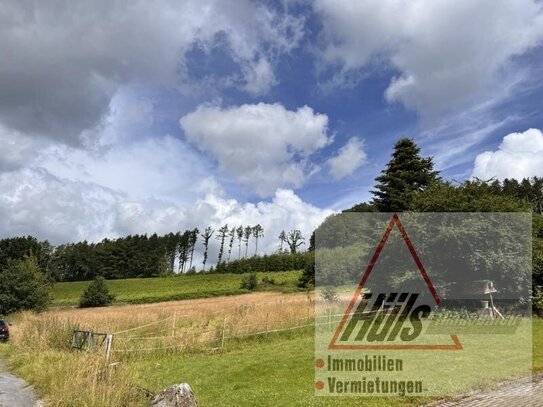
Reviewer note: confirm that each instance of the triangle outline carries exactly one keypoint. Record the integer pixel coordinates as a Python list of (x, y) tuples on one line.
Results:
[(395, 220)]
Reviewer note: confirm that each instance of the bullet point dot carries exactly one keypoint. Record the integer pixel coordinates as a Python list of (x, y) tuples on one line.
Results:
[(319, 363), (319, 385)]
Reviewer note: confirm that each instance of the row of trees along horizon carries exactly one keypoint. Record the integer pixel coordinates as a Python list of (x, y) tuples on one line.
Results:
[(409, 182), (140, 256)]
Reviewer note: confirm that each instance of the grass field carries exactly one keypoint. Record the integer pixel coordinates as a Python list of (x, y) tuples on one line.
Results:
[(265, 370), (149, 290)]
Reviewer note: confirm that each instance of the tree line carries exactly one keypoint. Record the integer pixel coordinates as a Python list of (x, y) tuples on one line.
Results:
[(140, 256)]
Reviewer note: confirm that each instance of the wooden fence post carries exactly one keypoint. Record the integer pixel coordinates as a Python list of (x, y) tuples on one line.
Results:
[(223, 332), (109, 344), (173, 324)]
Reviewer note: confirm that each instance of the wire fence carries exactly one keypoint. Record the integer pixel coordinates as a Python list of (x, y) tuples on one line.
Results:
[(214, 329)]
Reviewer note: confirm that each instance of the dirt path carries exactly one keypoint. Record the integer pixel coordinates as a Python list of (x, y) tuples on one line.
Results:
[(514, 393), (15, 392)]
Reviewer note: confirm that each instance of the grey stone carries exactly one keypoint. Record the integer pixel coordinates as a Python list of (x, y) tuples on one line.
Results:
[(179, 395)]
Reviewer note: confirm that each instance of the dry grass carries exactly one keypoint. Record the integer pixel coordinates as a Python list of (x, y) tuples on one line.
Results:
[(41, 343), (172, 325)]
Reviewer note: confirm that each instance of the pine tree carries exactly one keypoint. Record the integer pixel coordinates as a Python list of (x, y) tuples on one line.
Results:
[(193, 239), (239, 234), (247, 233), (221, 236), (405, 174), (258, 232), (208, 232), (96, 294), (282, 239), (232, 234)]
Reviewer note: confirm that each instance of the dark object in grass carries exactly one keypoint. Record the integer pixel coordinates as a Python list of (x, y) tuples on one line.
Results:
[(4, 331)]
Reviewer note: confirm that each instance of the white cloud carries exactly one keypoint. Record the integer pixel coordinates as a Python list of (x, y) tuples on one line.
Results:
[(264, 146), (16, 149), (260, 77), (34, 202), (285, 211), (349, 157), (448, 53), (520, 155), (63, 62), (126, 183)]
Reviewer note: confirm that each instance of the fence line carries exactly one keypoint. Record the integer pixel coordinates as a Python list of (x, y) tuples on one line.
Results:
[(222, 344), (142, 326), (175, 316)]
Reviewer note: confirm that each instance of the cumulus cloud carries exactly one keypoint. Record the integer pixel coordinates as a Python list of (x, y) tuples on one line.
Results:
[(126, 182), (264, 146), (285, 211), (448, 53), (349, 157), (63, 61), (520, 155), (35, 202)]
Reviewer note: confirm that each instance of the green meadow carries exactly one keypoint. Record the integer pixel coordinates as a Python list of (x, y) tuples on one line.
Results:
[(148, 290), (280, 371)]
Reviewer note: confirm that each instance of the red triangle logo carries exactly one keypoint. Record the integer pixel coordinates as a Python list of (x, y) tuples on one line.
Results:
[(394, 221)]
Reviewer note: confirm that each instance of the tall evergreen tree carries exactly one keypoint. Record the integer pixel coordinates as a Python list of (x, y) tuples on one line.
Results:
[(193, 239), (258, 232), (208, 232), (538, 194), (247, 233), (221, 236), (282, 239), (239, 234), (184, 250), (405, 174), (232, 235)]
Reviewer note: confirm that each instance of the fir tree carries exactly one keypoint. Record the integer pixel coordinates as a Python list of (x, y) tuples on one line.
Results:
[(405, 174)]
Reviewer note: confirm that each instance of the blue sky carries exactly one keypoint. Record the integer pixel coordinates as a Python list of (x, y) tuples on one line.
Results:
[(139, 118)]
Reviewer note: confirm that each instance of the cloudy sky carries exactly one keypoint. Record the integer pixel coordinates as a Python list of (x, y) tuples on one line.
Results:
[(138, 117)]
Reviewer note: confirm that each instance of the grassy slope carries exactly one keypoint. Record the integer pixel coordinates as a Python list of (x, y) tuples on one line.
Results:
[(146, 290), (266, 373), (269, 373)]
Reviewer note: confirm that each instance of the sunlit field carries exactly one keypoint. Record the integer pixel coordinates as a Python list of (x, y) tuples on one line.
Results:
[(246, 350), (149, 290)]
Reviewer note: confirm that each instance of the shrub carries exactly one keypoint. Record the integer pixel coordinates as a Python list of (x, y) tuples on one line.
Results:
[(268, 281), (24, 287), (537, 299), (96, 294), (329, 294), (307, 279), (249, 282)]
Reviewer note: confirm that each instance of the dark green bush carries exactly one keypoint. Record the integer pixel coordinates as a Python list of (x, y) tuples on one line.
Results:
[(307, 279), (24, 287), (249, 282), (96, 294)]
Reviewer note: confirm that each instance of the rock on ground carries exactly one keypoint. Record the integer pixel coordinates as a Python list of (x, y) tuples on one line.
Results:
[(179, 395)]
